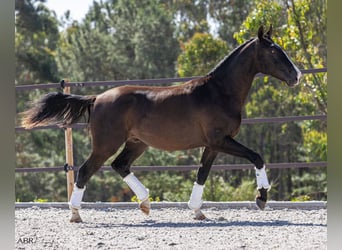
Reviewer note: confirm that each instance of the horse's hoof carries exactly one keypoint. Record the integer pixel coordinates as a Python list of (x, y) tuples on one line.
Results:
[(262, 198), (145, 206), (260, 203), (75, 216), (199, 215)]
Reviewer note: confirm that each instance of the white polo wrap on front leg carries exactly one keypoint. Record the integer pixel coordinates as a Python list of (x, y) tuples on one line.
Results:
[(137, 187), (196, 201), (261, 177), (76, 197)]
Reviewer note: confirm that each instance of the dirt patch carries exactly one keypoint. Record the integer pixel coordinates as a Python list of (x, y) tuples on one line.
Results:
[(171, 228)]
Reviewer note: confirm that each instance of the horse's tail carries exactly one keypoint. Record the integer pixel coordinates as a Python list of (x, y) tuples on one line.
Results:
[(57, 108)]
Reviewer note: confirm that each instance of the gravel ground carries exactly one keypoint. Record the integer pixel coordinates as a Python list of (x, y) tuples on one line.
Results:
[(171, 228)]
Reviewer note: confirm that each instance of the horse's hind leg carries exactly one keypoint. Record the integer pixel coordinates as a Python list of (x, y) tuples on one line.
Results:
[(88, 168), (195, 201), (132, 150)]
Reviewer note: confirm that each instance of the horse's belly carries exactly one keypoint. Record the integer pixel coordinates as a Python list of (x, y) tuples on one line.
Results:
[(170, 138), (171, 144)]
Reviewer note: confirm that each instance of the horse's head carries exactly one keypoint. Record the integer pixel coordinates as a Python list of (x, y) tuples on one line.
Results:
[(273, 60)]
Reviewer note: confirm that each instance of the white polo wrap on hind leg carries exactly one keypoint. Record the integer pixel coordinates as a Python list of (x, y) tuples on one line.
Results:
[(137, 187), (76, 197), (261, 177), (196, 201)]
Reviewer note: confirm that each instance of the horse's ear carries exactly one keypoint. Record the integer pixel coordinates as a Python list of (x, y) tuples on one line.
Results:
[(261, 32), (269, 32)]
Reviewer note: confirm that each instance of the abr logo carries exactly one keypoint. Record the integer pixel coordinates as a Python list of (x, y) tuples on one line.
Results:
[(26, 240)]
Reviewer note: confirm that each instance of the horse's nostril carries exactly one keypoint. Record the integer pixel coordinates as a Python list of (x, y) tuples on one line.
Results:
[(298, 78), (299, 75)]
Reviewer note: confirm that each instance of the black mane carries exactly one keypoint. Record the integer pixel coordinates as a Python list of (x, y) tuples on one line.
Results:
[(223, 63)]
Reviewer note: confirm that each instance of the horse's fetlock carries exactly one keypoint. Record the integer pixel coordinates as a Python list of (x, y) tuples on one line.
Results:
[(258, 166)]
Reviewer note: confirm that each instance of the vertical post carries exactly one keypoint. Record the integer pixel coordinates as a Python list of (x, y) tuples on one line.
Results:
[(69, 154)]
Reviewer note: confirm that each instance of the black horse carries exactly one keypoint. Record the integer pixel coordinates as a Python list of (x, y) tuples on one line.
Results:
[(204, 112)]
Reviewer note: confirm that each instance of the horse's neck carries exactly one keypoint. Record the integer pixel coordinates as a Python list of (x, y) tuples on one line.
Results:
[(236, 75)]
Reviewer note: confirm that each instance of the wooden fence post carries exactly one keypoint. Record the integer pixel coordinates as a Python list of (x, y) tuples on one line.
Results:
[(69, 154)]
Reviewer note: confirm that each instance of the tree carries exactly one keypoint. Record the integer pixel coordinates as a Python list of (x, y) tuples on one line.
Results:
[(190, 17), (36, 40), (117, 40), (120, 40), (200, 54), (228, 17)]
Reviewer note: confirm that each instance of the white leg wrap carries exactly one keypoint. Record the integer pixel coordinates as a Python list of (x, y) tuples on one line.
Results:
[(261, 177), (196, 201), (137, 187), (76, 197)]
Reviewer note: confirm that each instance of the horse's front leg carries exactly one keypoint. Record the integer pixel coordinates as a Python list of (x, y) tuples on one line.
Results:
[(196, 201), (232, 147)]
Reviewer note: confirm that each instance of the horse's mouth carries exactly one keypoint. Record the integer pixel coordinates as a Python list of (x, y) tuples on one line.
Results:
[(292, 83)]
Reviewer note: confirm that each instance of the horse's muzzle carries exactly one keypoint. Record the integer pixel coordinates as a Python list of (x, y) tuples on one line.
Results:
[(294, 79)]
